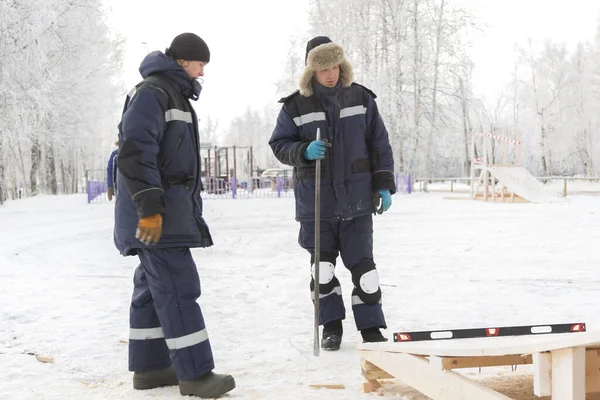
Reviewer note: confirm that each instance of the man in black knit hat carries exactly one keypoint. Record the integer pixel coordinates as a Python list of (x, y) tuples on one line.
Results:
[(158, 217), (357, 181)]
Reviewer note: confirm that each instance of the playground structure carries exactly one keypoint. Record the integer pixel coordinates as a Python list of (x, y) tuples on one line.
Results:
[(231, 171), (565, 366), (223, 168), (498, 176), (226, 172)]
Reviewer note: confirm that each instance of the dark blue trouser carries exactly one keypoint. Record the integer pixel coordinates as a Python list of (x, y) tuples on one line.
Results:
[(353, 240), (166, 323)]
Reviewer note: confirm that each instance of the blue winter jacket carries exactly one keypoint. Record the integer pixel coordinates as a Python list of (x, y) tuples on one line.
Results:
[(159, 161), (111, 170), (359, 163)]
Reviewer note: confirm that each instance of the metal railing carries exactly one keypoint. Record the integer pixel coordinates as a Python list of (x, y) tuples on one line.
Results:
[(462, 184)]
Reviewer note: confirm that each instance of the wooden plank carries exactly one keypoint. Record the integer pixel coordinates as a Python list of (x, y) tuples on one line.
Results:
[(492, 346), (368, 366), (568, 374), (374, 375), (506, 199), (44, 359), (592, 371), (485, 361), (372, 372), (369, 387), (327, 386), (434, 383), (542, 374)]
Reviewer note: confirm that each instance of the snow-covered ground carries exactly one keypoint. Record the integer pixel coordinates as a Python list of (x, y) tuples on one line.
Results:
[(65, 291)]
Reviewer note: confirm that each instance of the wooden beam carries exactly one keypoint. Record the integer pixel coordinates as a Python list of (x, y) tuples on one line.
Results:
[(592, 371), (542, 374), (513, 198), (437, 384), (568, 373), (327, 386), (485, 361), (374, 375), (372, 372), (496, 346), (371, 386)]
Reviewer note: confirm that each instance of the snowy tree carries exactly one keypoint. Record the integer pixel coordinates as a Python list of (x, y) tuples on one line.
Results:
[(59, 80)]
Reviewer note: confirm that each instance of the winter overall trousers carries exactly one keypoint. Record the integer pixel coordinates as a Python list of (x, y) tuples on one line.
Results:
[(166, 323), (353, 240)]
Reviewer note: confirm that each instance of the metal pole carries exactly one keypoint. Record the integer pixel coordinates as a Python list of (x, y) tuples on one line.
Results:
[(317, 257), (234, 164), (227, 163), (251, 156), (251, 161), (217, 163), (209, 166)]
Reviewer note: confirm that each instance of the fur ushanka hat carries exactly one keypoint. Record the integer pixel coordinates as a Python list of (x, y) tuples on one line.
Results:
[(322, 53)]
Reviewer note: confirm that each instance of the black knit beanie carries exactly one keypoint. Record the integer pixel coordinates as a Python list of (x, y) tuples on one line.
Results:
[(314, 42), (189, 47)]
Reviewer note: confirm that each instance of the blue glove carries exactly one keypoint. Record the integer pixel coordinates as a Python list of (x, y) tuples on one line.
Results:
[(386, 201), (316, 150)]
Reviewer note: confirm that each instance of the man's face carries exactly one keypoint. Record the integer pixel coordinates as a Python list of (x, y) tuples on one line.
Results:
[(328, 77), (195, 69)]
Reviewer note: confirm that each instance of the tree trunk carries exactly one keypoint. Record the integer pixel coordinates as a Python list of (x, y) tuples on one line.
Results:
[(2, 177), (466, 127), (63, 178), (589, 146), (22, 166), (35, 166), (416, 85), (73, 177), (51, 171), (543, 137), (436, 73)]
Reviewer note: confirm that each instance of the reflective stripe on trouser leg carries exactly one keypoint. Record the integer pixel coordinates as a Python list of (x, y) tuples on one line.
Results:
[(175, 287), (147, 347), (366, 296), (331, 304)]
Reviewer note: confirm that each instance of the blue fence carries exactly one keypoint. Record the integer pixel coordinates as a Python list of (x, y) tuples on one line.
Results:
[(217, 188), (272, 187)]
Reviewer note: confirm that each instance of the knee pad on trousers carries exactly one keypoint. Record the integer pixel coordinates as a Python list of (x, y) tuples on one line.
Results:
[(327, 279), (366, 282), (326, 272)]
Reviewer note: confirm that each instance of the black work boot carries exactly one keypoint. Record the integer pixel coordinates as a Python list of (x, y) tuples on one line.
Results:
[(155, 378), (372, 335), (332, 335), (209, 385)]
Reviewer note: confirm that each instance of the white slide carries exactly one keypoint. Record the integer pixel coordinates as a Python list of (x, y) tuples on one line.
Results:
[(520, 182)]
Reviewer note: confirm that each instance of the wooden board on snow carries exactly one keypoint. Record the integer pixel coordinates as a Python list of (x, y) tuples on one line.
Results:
[(566, 366)]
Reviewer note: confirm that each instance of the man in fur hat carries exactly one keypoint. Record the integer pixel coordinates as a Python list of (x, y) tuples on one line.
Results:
[(357, 181)]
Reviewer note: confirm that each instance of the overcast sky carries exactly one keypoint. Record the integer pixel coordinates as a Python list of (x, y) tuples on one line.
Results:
[(248, 40), (510, 21)]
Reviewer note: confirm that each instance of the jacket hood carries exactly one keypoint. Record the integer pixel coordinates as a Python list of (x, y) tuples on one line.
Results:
[(157, 62)]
